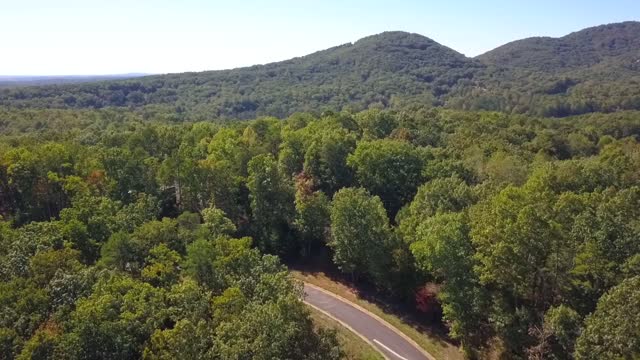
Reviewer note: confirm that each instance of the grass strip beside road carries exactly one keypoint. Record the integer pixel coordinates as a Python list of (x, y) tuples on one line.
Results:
[(353, 346)]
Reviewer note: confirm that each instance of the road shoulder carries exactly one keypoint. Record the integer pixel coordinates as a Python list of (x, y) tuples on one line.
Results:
[(432, 341), (372, 315)]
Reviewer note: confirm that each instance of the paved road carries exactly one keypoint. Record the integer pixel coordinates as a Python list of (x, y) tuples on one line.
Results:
[(394, 346)]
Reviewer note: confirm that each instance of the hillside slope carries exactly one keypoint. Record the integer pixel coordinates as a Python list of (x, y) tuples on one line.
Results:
[(373, 70), (592, 70), (587, 47), (595, 69)]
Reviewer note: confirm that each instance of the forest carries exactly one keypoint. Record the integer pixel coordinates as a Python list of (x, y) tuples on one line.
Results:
[(496, 199), (127, 234)]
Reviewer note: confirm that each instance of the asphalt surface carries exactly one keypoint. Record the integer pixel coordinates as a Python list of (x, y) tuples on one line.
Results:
[(394, 346)]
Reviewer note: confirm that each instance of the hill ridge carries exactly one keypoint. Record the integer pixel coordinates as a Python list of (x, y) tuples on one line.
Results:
[(594, 69)]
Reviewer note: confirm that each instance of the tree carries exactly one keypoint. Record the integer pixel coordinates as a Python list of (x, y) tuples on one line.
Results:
[(504, 168), (216, 223), (279, 329), (514, 235), (128, 252), (442, 247), (389, 169), (557, 336), (77, 235), (129, 172), (10, 343), (45, 265), (200, 264), (436, 196), (224, 170), (185, 340), (162, 266), (271, 205), (312, 218), (325, 159), (23, 307), (606, 231), (613, 330), (376, 124), (43, 344), (518, 255), (359, 234), (115, 320), (121, 253), (182, 173)]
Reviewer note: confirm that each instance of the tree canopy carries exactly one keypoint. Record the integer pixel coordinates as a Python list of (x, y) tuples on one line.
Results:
[(132, 236)]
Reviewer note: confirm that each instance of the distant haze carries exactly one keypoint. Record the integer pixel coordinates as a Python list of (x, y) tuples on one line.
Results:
[(41, 37), (27, 80)]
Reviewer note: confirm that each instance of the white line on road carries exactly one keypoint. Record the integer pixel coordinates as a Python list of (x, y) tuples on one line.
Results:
[(389, 350)]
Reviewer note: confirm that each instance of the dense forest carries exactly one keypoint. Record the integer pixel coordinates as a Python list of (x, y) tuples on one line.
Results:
[(125, 235), (592, 70)]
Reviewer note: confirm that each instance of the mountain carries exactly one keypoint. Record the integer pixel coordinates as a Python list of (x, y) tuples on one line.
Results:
[(595, 69), (587, 47), (379, 70)]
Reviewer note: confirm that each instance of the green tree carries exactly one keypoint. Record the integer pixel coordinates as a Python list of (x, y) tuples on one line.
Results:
[(613, 330), (514, 235), (312, 218), (376, 124), (359, 234), (162, 266), (325, 159), (122, 253), (518, 255), (43, 344), (216, 223), (200, 264), (45, 265), (10, 343), (557, 336), (389, 169), (442, 247), (115, 320), (272, 205), (436, 196), (129, 172), (184, 341), (278, 329)]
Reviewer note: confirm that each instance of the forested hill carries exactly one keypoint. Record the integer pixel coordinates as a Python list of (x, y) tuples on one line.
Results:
[(593, 70), (583, 48), (373, 70)]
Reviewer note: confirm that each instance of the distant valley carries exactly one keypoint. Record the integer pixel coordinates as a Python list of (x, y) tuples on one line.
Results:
[(36, 80)]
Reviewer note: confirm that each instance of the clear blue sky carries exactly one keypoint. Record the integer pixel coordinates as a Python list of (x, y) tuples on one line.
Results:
[(46, 37)]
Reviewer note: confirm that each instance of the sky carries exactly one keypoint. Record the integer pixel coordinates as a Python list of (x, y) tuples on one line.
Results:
[(83, 37)]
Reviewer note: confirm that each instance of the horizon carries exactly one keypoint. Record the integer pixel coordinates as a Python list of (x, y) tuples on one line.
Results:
[(70, 40)]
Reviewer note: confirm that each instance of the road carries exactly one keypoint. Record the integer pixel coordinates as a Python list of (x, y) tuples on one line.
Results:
[(381, 336)]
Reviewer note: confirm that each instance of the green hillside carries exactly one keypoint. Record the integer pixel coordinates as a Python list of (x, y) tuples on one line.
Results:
[(376, 70), (584, 48), (592, 70)]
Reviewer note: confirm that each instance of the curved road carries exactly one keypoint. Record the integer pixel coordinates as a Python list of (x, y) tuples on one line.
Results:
[(377, 333)]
